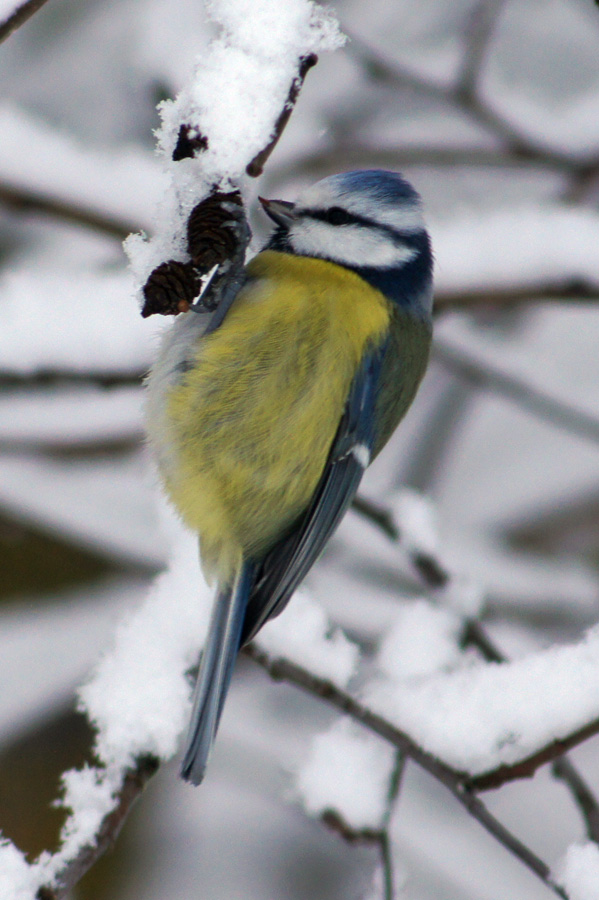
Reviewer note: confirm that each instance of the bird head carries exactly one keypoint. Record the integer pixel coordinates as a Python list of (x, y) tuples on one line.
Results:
[(369, 221)]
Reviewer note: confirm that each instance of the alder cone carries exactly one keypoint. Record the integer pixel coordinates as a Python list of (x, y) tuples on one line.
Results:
[(211, 232), (171, 289)]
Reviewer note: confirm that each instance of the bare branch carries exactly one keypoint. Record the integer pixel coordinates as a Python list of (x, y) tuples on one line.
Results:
[(478, 35), (18, 17), (518, 144), (564, 770), (534, 400), (354, 154), (574, 291), (133, 785), (23, 200)]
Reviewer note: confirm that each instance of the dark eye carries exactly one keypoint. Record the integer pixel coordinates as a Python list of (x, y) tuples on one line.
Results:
[(337, 216)]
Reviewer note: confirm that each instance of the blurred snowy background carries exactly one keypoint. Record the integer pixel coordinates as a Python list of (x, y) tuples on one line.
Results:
[(492, 110)]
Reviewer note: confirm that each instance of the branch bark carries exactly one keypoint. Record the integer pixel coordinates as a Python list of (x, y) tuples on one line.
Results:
[(455, 781), (18, 17), (73, 871), (23, 200)]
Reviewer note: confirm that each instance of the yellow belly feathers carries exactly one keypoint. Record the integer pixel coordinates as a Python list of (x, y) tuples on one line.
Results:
[(253, 420)]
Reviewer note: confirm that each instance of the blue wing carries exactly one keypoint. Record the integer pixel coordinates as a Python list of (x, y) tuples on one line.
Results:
[(263, 590), (285, 566)]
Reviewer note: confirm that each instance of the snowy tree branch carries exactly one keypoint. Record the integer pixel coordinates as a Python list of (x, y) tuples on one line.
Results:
[(378, 837), (435, 576), (456, 782), (20, 14), (526, 768), (73, 871)]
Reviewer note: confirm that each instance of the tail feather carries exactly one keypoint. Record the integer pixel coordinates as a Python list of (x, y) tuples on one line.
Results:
[(214, 676)]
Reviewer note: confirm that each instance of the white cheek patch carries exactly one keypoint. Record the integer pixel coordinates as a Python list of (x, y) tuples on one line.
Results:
[(352, 245), (402, 216)]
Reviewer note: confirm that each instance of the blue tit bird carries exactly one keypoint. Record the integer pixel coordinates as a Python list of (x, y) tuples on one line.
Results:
[(264, 422)]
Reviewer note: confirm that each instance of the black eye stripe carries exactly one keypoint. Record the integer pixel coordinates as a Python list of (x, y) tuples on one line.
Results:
[(338, 216), (334, 216)]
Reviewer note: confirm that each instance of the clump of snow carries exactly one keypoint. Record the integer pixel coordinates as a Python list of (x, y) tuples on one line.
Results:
[(579, 872), (89, 794), (139, 697), (124, 183), (18, 880), (83, 322), (417, 521), (348, 771), (303, 635), (423, 639), (484, 714), (557, 244), (248, 69), (464, 594)]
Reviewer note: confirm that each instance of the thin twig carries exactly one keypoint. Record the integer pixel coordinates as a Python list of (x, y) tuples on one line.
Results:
[(24, 200), (133, 785), (256, 166), (377, 836), (534, 400), (18, 17), (482, 20), (455, 781), (526, 768), (565, 771)]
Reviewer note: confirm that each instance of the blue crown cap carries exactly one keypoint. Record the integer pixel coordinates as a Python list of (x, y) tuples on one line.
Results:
[(381, 185)]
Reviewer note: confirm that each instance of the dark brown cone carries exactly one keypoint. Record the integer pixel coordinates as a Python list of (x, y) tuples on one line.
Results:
[(171, 289), (210, 238)]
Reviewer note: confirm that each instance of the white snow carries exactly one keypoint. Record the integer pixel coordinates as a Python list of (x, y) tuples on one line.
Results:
[(138, 698), (303, 634), (74, 321), (249, 66), (422, 640), (417, 520), (484, 714), (522, 246), (579, 872), (18, 880), (54, 416), (54, 646), (124, 184), (348, 771)]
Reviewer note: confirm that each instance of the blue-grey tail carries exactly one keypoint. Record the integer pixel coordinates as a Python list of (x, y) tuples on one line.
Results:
[(214, 676)]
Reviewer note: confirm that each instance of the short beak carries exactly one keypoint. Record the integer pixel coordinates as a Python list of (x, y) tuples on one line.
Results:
[(280, 211)]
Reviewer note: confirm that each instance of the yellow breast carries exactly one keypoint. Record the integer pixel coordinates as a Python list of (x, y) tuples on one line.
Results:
[(252, 422)]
